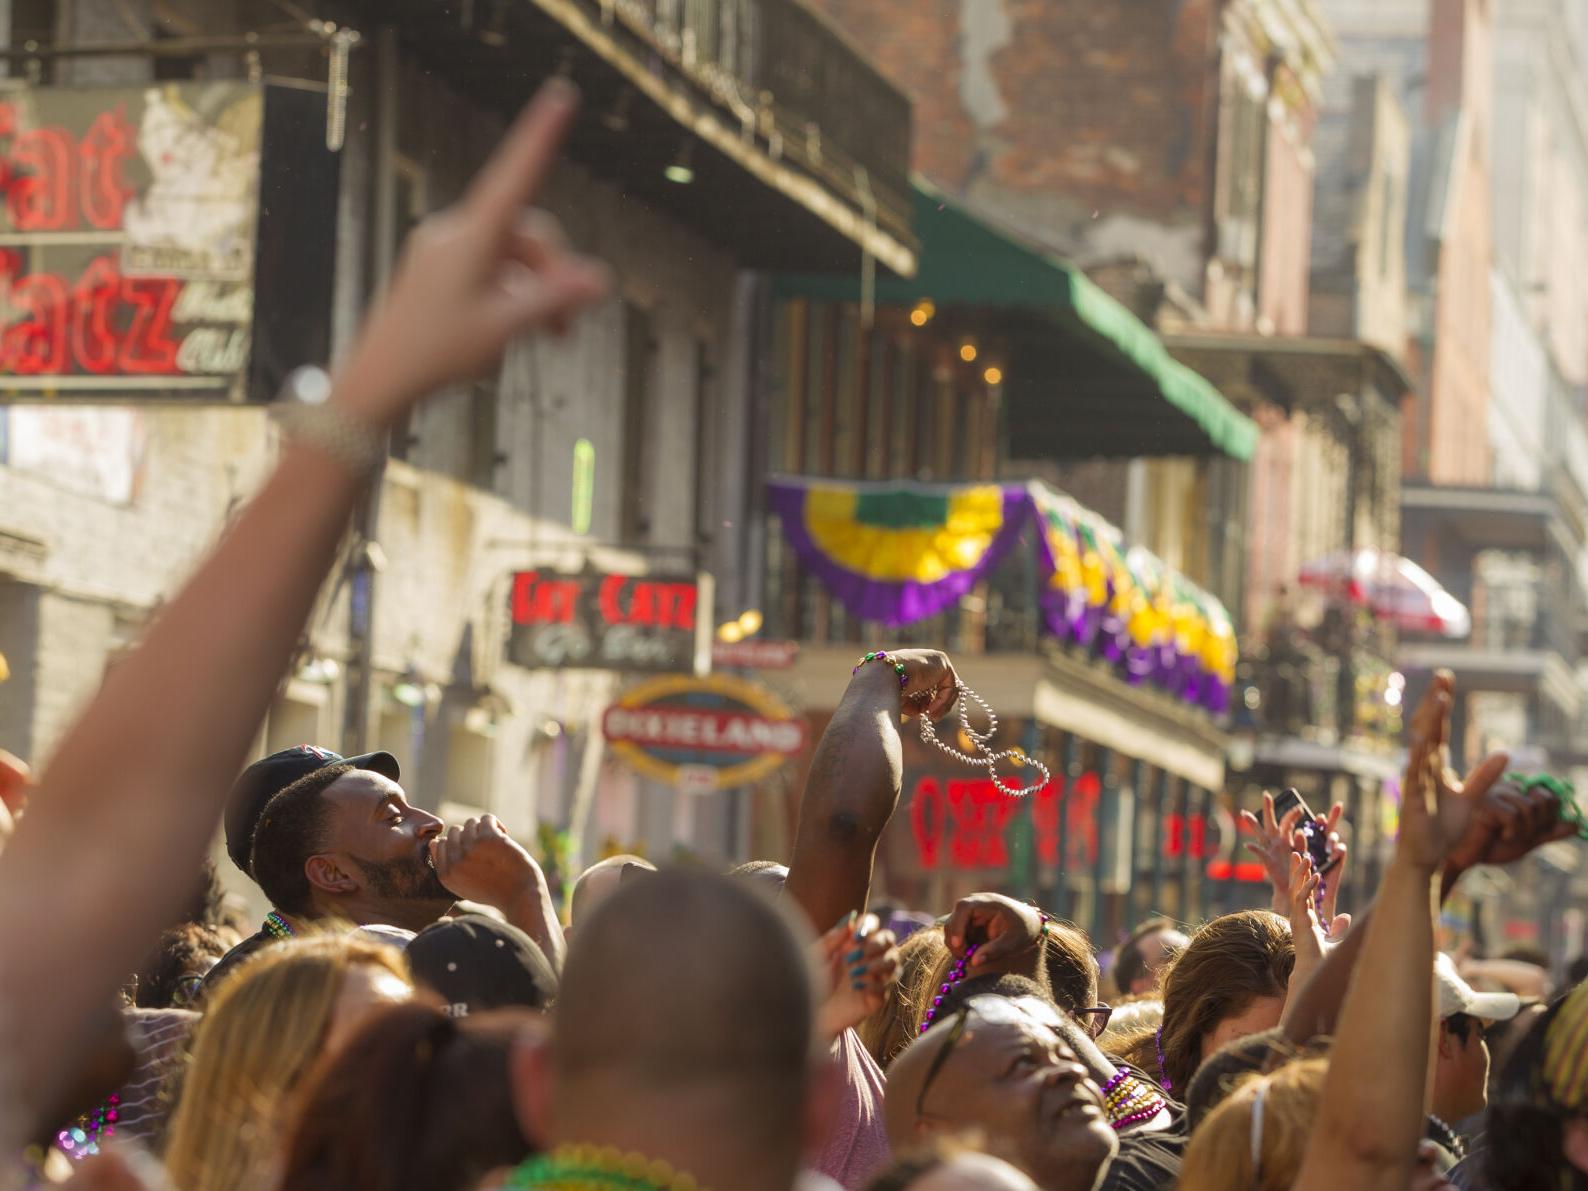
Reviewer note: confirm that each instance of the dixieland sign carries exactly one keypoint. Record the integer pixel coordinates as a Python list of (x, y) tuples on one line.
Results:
[(703, 733)]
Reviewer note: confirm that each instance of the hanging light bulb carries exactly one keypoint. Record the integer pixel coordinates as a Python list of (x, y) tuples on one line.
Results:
[(682, 170)]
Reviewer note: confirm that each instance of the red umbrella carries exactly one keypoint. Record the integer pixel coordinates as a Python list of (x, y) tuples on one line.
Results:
[(1391, 587)]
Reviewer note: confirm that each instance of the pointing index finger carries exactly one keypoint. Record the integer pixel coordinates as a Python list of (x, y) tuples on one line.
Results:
[(514, 175)]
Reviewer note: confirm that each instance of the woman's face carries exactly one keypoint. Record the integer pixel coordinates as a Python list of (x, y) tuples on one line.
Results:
[(366, 987), (1262, 1014)]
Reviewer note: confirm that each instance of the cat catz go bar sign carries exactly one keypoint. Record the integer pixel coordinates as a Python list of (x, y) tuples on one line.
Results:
[(142, 228)]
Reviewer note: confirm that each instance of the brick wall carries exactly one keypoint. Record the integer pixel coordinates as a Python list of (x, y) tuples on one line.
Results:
[(1084, 125)]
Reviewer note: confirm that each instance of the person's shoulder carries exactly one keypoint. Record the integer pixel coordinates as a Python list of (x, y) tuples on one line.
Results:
[(254, 942), (1149, 1161)]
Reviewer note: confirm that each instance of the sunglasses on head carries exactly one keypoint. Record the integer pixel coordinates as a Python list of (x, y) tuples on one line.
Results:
[(1095, 1020), (997, 1010)]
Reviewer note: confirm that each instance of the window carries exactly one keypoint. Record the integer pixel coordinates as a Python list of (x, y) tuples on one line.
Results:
[(36, 21), (639, 356)]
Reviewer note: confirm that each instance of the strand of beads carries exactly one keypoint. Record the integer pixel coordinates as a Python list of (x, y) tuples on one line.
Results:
[(597, 1168), (276, 926), (881, 655), (979, 740), (81, 1139), (955, 975), (1127, 1101)]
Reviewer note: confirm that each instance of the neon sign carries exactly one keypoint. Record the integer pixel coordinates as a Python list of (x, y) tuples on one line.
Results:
[(130, 223), (599, 621)]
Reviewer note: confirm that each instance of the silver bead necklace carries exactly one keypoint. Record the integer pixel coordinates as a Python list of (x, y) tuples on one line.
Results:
[(988, 759)]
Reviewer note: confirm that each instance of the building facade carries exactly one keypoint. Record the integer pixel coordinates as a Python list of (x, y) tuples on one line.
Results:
[(621, 448)]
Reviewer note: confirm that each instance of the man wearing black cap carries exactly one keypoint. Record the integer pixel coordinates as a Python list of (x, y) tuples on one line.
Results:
[(328, 837), (474, 964), (266, 778)]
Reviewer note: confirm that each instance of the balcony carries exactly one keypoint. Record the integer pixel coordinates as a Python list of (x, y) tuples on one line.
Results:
[(798, 151)]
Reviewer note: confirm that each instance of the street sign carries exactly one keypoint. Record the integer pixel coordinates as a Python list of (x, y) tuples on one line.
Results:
[(754, 655), (593, 620), (702, 734)]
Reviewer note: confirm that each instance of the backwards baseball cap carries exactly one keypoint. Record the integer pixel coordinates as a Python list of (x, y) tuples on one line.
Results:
[(1457, 996), (476, 963), (264, 779)]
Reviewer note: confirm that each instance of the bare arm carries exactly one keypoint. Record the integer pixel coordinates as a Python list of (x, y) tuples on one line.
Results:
[(125, 810), (1372, 1110), (1506, 824), (854, 782)]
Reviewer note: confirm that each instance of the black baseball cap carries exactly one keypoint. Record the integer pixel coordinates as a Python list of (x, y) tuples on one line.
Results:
[(476, 963), (266, 778)]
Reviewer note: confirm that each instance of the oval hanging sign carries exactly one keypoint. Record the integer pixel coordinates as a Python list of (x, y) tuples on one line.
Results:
[(703, 733)]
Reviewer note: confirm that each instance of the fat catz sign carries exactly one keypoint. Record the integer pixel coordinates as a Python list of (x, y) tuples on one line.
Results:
[(141, 228), (703, 734), (600, 621)]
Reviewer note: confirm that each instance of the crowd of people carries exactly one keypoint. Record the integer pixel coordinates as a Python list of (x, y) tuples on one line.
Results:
[(416, 1011)]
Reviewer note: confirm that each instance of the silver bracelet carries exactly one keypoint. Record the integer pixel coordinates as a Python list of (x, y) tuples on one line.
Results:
[(305, 415)]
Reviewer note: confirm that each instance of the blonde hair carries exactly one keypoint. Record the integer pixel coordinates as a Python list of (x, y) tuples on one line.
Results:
[(1129, 1021), (893, 1027), (263, 1029), (1221, 1150)]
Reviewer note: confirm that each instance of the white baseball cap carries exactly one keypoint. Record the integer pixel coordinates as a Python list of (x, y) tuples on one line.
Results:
[(1457, 996)]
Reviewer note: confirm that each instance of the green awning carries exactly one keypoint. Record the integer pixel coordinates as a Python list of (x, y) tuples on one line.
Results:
[(1086, 377)]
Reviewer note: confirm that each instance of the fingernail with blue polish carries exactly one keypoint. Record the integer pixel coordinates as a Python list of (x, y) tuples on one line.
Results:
[(854, 955)]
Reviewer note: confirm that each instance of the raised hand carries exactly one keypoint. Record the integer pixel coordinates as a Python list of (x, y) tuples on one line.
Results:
[(475, 276), (861, 963), (1507, 823), (1306, 930), (1279, 839), (1438, 809), (1002, 926), (930, 684)]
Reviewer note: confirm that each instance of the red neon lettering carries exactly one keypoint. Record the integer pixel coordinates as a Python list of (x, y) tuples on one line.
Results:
[(684, 595), (149, 347), (93, 299), (37, 346), (543, 601), (102, 191), (1045, 812), (39, 198), (523, 585), (611, 590), (1081, 818), (642, 608), (926, 822)]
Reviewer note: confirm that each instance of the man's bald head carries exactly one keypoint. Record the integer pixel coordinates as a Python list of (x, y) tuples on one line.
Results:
[(686, 978), (599, 882)]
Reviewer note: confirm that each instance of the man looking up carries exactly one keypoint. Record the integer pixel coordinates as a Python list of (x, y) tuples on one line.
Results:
[(684, 1035), (994, 1069), (343, 844)]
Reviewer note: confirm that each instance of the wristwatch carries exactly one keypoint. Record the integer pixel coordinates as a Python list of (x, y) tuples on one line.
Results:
[(306, 414)]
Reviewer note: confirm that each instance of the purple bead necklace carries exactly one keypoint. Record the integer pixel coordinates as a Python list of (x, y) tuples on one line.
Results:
[(955, 975)]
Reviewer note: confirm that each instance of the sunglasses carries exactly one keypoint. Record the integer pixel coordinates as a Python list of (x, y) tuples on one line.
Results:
[(989, 1009), (956, 1031), (1095, 1020)]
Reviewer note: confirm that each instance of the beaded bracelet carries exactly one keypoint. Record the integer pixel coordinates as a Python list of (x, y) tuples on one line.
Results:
[(955, 975), (1564, 791), (881, 655)]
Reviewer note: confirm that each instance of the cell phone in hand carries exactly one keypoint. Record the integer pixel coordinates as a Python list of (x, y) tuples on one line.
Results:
[(1313, 829)]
